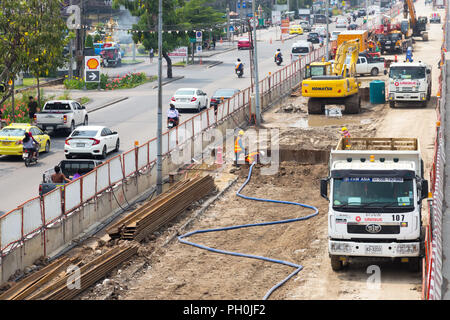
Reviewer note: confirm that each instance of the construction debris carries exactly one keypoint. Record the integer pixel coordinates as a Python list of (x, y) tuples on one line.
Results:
[(151, 216)]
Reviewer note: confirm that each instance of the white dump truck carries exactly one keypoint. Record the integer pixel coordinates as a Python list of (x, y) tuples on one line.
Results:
[(409, 82), (376, 190)]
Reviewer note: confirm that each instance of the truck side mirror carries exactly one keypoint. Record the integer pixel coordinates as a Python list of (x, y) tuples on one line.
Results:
[(324, 188), (428, 71), (385, 72), (424, 190)]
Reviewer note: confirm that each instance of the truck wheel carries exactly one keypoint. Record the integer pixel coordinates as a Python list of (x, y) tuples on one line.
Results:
[(72, 127), (424, 104), (336, 263), (315, 106), (392, 104), (414, 264), (353, 104), (86, 121), (374, 72)]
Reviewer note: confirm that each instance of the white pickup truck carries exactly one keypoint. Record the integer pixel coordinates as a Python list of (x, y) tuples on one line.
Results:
[(369, 66), (61, 114)]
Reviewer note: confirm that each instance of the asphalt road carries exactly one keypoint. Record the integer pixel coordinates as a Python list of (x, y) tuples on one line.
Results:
[(136, 118)]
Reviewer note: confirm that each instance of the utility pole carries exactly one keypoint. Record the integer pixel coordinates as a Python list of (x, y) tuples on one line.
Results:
[(327, 40), (228, 23), (159, 130), (255, 65), (70, 54)]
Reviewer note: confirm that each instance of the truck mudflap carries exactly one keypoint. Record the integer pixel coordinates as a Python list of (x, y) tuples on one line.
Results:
[(375, 249)]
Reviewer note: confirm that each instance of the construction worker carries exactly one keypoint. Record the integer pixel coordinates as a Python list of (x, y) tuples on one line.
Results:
[(238, 148), (253, 156), (346, 136), (409, 55)]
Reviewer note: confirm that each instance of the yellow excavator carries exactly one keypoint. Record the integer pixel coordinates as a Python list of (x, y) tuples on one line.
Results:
[(334, 84)]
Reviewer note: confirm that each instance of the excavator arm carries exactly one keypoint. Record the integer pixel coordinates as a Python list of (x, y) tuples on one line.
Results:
[(347, 48), (408, 6)]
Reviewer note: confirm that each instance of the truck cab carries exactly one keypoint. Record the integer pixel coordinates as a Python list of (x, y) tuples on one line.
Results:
[(375, 202), (409, 82)]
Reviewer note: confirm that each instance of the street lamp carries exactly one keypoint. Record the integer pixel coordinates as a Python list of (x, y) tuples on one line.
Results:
[(159, 129)]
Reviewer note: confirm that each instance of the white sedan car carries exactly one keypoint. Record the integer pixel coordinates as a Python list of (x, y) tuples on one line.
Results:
[(95, 141), (189, 98), (341, 23)]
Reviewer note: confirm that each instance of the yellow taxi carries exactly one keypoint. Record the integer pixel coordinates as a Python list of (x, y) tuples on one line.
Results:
[(295, 29), (11, 138)]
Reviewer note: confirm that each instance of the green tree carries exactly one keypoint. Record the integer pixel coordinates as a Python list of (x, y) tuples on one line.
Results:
[(47, 39), (89, 41), (146, 30)]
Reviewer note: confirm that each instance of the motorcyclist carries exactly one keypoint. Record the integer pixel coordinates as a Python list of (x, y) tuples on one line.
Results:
[(239, 66), (173, 113), (30, 144), (278, 54)]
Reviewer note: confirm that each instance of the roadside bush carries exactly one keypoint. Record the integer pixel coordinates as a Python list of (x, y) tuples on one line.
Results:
[(141, 49), (20, 107), (129, 80)]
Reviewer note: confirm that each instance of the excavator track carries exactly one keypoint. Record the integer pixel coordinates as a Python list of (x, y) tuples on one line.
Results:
[(353, 104), (316, 106)]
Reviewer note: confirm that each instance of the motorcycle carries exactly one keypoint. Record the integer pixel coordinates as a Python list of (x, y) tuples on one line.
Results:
[(240, 72), (29, 157), (278, 60), (172, 123)]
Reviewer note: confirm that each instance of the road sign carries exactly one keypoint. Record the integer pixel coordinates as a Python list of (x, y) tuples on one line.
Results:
[(199, 48), (343, 3), (92, 68), (92, 76), (254, 22), (199, 36), (192, 40)]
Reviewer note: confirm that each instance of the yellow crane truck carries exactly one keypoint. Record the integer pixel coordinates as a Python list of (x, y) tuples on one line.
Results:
[(327, 83)]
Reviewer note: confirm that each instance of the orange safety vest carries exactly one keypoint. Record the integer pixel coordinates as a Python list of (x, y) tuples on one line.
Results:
[(237, 146), (251, 157)]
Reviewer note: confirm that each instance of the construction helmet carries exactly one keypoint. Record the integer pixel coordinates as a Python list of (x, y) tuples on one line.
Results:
[(241, 132), (344, 129)]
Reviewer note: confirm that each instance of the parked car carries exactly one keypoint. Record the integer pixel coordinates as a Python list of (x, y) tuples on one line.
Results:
[(61, 114), (220, 95), (295, 29), (341, 23), (69, 168), (189, 98), (12, 135), (111, 56), (96, 141), (313, 37), (352, 26), (244, 43)]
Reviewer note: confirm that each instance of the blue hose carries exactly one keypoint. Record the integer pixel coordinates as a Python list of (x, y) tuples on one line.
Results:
[(297, 266)]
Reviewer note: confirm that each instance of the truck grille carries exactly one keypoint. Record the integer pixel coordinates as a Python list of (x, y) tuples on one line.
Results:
[(363, 229), (407, 89)]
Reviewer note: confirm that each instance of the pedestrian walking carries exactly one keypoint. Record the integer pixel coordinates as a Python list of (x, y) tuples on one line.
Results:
[(152, 54), (32, 108), (214, 42)]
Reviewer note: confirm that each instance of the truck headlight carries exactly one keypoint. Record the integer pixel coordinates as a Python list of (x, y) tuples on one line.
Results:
[(422, 96), (391, 96), (340, 247), (407, 248)]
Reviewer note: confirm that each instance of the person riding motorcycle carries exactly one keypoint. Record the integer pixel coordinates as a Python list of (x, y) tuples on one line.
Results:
[(30, 145), (278, 55), (238, 66), (173, 114)]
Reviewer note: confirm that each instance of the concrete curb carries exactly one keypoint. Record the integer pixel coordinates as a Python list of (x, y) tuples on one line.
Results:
[(108, 104), (214, 64), (169, 81), (216, 53)]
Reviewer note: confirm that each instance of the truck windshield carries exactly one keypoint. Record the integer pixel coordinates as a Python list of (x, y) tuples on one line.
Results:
[(57, 106), (358, 193), (407, 73)]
